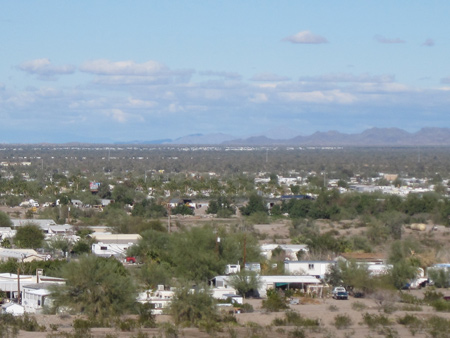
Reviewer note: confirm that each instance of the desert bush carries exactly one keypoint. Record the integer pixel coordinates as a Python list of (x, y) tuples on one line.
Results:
[(247, 308), (409, 299), (432, 295), (374, 320), (342, 321), (388, 332), (333, 308), (438, 327), (358, 306), (413, 323), (275, 301), (127, 324), (411, 307), (441, 305), (293, 318), (389, 307), (297, 333)]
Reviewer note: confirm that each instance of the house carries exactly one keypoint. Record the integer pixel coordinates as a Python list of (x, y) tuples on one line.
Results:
[(105, 202), (309, 268), (271, 282), (10, 283), (36, 296), (362, 258), (109, 238), (290, 250), (256, 267), (77, 203), (23, 255), (42, 223), (160, 299), (376, 263), (116, 250)]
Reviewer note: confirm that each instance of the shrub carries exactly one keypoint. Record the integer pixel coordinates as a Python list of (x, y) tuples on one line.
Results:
[(358, 306), (342, 321), (372, 321), (432, 295), (297, 333), (411, 307), (441, 305), (126, 324), (438, 327), (275, 301), (409, 299), (293, 318), (333, 308)]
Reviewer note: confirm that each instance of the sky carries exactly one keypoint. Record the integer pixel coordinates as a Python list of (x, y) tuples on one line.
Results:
[(117, 71)]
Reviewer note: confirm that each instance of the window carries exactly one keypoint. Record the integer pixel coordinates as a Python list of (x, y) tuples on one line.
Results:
[(103, 248), (311, 266)]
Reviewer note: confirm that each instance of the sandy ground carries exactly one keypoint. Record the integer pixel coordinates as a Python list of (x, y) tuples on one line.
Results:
[(259, 322)]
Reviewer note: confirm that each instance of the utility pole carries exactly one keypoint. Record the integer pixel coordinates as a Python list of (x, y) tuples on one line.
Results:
[(245, 248), (18, 285), (169, 209)]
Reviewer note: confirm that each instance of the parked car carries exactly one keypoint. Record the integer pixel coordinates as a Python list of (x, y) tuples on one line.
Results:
[(340, 292)]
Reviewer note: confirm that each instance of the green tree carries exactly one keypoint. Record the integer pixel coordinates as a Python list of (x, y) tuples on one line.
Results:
[(255, 204), (5, 221), (97, 287), (245, 282), (193, 307), (29, 236)]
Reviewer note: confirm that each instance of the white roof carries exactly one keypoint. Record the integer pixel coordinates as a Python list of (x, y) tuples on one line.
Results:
[(39, 222), (116, 237)]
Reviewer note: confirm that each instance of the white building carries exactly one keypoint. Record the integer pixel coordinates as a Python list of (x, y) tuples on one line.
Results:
[(291, 250), (118, 251), (308, 268), (160, 299)]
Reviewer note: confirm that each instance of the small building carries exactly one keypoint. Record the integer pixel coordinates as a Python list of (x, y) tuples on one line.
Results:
[(23, 255), (232, 269), (317, 269), (116, 250), (34, 297), (362, 258), (77, 203), (271, 282), (160, 299), (290, 250)]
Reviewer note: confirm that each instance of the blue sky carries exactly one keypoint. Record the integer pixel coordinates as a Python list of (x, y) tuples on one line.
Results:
[(110, 71)]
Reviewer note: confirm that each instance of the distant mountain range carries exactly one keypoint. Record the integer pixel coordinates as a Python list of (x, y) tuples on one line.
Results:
[(369, 137)]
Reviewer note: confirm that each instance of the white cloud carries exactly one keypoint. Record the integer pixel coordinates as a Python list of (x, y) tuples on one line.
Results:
[(269, 77), (120, 116), (306, 37), (44, 68), (227, 75), (106, 67), (132, 73), (384, 87), (136, 103), (428, 43), (382, 39), (259, 98), (332, 96), (347, 77)]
